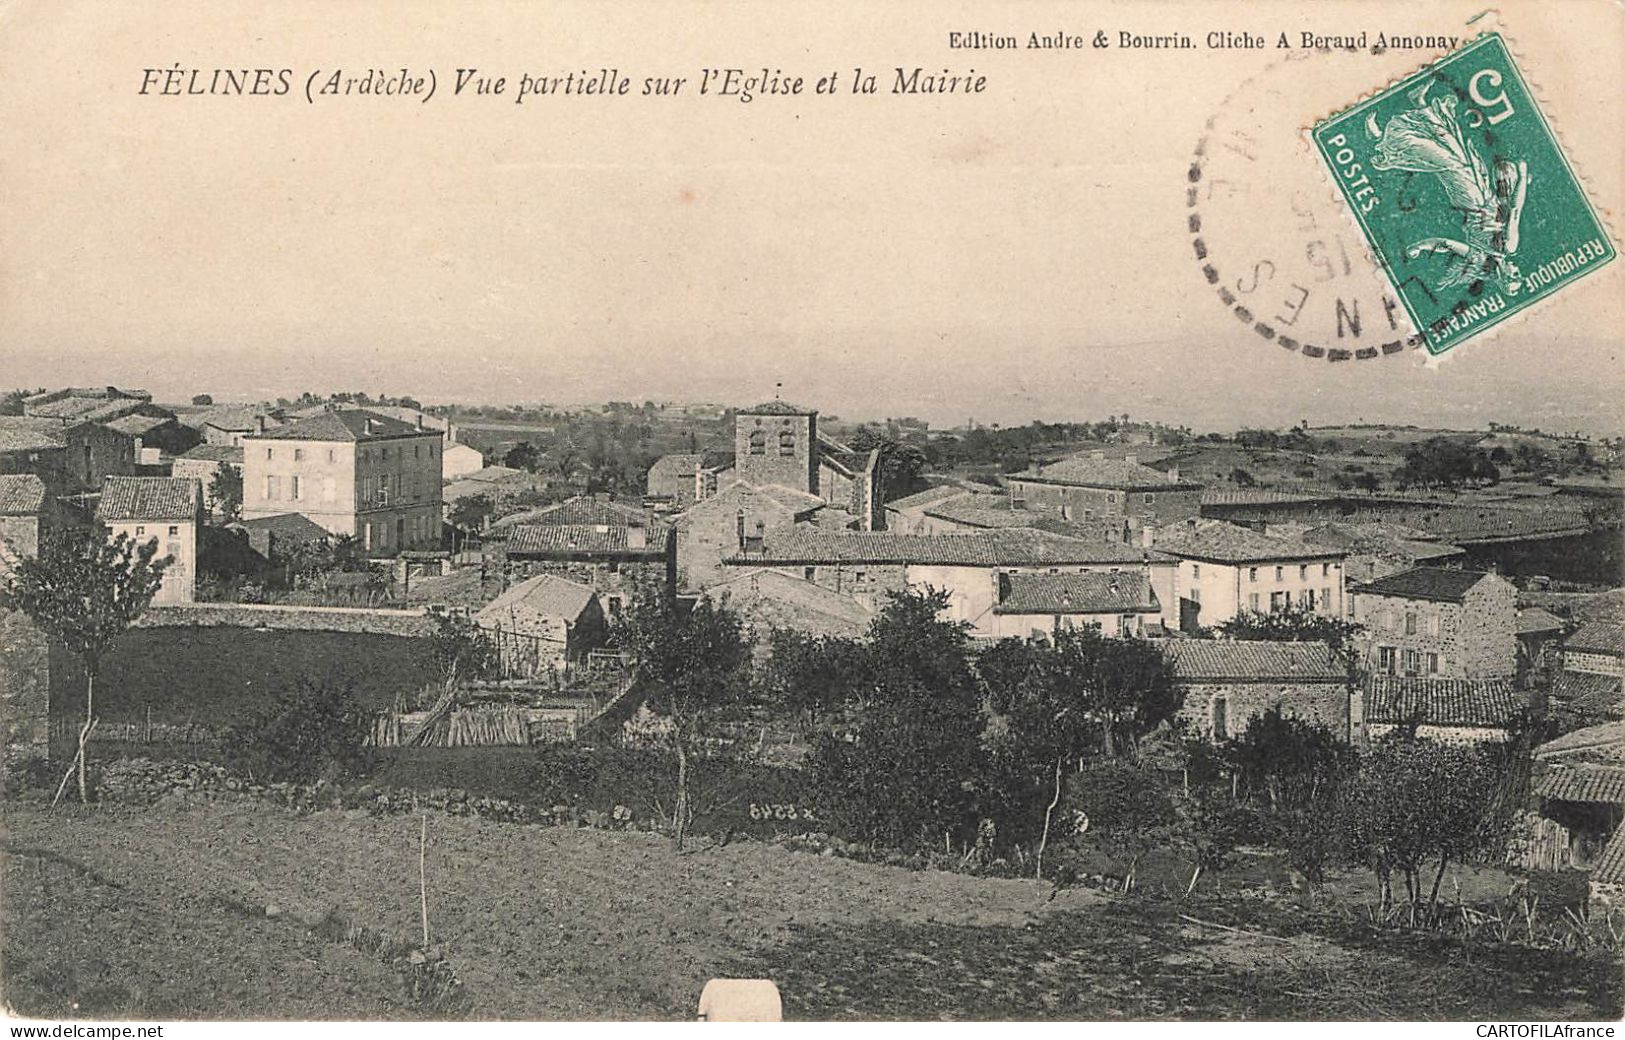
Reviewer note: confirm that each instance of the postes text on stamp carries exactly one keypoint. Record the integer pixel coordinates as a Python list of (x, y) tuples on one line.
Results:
[(1463, 193)]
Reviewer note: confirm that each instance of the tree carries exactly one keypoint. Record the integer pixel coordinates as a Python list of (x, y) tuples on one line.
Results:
[(469, 513), (460, 648), (84, 590), (1414, 800), (523, 456), (1294, 624), (1126, 807), (202, 400), (226, 492), (905, 772), (695, 665), (900, 463), (815, 678)]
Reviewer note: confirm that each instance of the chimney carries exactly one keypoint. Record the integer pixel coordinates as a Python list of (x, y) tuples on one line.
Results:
[(1131, 459), (420, 420), (259, 422), (637, 535), (1173, 474)]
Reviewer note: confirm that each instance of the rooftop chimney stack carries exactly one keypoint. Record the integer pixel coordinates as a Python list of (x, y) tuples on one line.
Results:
[(1131, 459), (637, 536)]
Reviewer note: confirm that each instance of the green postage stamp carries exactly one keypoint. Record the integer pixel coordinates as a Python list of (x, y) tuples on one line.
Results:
[(1463, 193)]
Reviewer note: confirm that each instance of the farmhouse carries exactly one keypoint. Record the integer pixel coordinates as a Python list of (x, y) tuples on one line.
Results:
[(607, 546), (768, 599), (1092, 485), (226, 425), (542, 624), (1115, 603), (1229, 683), (1438, 621), (1587, 690)]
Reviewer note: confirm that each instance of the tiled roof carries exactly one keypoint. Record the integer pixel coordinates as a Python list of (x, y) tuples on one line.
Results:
[(1093, 592), (216, 453), (1396, 700), (1610, 866), (290, 527), (1392, 542), (84, 402), (1119, 474), (1231, 660), (234, 417), (777, 408), (671, 467), (149, 498), (1230, 543), (546, 595), (1583, 783), (20, 434), (582, 509), (1442, 584), (1003, 548), (21, 494), (1597, 637), (773, 599), (980, 511), (573, 539), (1589, 695), (1608, 735), (1219, 496), (1534, 621), (348, 424), (136, 424), (939, 493)]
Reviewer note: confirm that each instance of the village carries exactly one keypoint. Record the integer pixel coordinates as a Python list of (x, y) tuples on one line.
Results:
[(1317, 683)]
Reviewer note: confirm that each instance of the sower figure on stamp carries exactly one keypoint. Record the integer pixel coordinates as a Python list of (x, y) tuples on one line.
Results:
[(1430, 139)]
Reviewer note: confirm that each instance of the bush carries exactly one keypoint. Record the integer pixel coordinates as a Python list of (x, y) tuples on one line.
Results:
[(316, 732)]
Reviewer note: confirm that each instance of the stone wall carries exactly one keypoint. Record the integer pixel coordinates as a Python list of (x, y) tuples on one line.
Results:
[(26, 660), (1324, 704)]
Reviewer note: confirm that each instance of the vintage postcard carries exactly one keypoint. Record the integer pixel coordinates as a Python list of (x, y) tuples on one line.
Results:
[(549, 511)]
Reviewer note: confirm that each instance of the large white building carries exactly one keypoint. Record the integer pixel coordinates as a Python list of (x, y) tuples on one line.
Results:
[(1226, 570), (166, 510)]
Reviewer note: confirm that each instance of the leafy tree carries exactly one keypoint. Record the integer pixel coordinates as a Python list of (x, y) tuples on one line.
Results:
[(84, 590), (1445, 462), (695, 665), (470, 512), (202, 400), (1241, 478), (459, 648), (314, 732), (523, 455), (1126, 807), (905, 773), (1413, 800), (1053, 704), (815, 678), (1293, 624), (226, 492), (899, 462)]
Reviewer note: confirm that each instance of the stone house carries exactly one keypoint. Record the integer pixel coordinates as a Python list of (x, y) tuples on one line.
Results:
[(203, 463), (460, 460), (1587, 689), (1438, 621), (88, 452), (1539, 634), (542, 624), (869, 565), (731, 520), (1595, 648), (166, 510), (1089, 486), (612, 559), (155, 438), (24, 512), (906, 515), (1452, 711), (27, 659), (1226, 570), (1229, 683), (353, 472), (226, 425)]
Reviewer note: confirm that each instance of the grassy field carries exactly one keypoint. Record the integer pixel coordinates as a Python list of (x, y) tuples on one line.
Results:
[(219, 910)]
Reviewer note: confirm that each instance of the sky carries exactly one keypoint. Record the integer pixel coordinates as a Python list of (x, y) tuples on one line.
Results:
[(1018, 254)]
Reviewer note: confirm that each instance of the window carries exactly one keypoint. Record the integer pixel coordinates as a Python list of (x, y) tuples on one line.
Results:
[(1325, 570), (787, 443), (139, 531), (1280, 574), (1433, 664), (293, 487), (1252, 574), (1326, 599), (273, 488), (383, 453), (1196, 596), (330, 455), (1112, 497), (1410, 622), (809, 573), (173, 530), (1277, 601), (758, 442), (298, 456), (1413, 662), (614, 606), (1306, 599), (415, 450), (1433, 624), (1196, 570), (614, 566), (1252, 602), (1303, 572), (1221, 729), (267, 452), (858, 577), (1385, 659)]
